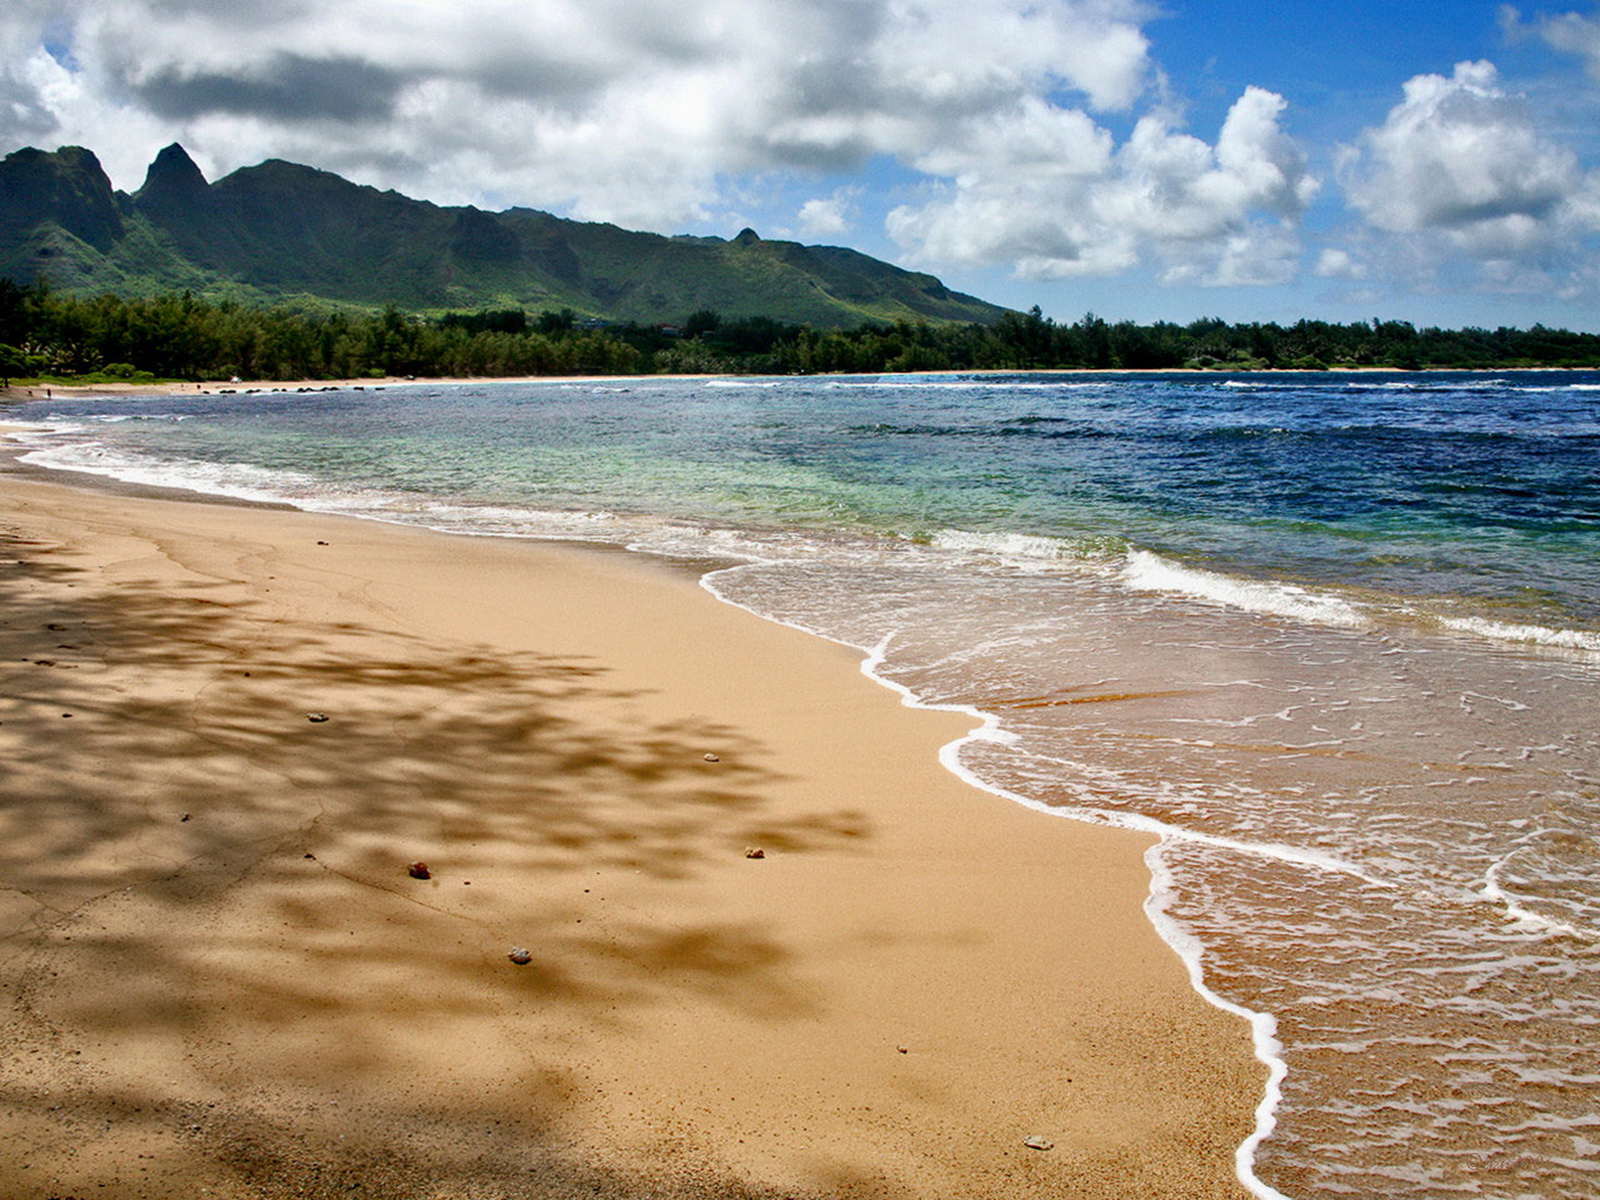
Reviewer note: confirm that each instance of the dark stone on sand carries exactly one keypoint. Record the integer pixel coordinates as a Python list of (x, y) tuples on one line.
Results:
[(419, 870), (521, 956), (755, 852), (316, 718)]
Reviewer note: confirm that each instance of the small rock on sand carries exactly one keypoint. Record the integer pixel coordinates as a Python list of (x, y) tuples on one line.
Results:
[(755, 852), (712, 758), (1038, 1143), (521, 955), (316, 718), (419, 870)]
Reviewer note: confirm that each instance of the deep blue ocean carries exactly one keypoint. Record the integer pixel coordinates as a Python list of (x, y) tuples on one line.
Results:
[(1335, 638)]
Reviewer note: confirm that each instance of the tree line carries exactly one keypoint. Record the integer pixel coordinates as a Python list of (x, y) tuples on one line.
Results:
[(49, 336)]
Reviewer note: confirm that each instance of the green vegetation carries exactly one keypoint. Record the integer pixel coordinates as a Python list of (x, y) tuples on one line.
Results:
[(284, 272), (280, 233), (50, 336)]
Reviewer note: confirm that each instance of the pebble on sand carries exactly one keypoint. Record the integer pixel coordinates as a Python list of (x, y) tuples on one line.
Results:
[(1038, 1143), (755, 852), (316, 718), (419, 870), (521, 955)]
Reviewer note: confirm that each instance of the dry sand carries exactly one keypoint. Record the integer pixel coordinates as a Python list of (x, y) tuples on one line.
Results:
[(218, 979)]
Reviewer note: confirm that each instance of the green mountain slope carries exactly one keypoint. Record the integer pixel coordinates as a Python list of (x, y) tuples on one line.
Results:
[(279, 231)]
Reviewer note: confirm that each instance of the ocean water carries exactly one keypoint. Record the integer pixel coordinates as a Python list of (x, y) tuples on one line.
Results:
[(1335, 638)]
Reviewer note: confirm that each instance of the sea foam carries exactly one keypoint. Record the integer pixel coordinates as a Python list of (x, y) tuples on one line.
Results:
[(1150, 572), (1538, 635)]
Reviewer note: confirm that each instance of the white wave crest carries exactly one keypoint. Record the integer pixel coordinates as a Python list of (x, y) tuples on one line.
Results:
[(120, 418), (1149, 572), (239, 481), (924, 383), (1501, 631), (1023, 549)]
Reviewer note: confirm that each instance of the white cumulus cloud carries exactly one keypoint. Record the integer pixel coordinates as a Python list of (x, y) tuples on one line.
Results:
[(1337, 263), (1460, 174), (1048, 190), (828, 216)]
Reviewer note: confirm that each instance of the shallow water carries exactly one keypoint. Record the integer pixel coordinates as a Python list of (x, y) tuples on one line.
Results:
[(1336, 638)]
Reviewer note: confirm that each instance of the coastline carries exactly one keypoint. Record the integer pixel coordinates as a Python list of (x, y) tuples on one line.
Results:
[(914, 978), (18, 394)]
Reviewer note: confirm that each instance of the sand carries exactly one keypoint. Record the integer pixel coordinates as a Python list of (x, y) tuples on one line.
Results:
[(218, 978)]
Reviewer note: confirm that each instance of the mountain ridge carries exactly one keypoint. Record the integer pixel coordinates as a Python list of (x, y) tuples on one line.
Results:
[(281, 231)]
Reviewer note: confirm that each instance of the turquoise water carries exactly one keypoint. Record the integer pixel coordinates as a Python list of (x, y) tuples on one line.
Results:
[(1455, 487), (1336, 639)]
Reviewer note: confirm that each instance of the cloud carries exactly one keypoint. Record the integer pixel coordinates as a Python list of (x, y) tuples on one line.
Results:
[(1458, 154), (1336, 263), (650, 113), (25, 109), (629, 110), (828, 217), (1460, 175), (995, 118), (288, 87), (1570, 33), (1046, 189)]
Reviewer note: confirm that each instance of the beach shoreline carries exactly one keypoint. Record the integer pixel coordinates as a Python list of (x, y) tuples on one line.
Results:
[(19, 394), (219, 973)]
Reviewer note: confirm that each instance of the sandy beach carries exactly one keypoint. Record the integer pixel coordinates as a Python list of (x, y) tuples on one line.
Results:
[(228, 732)]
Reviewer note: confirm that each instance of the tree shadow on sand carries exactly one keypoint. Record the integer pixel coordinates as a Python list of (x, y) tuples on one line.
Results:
[(196, 877)]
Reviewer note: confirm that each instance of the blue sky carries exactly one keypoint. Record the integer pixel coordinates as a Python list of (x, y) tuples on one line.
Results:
[(1429, 161)]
